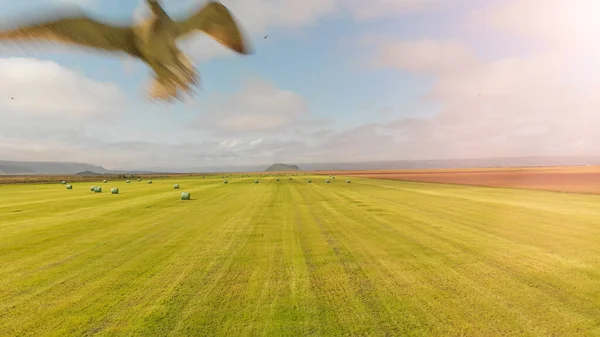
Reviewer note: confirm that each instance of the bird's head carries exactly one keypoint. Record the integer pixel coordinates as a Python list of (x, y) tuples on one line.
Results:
[(156, 8), (153, 4)]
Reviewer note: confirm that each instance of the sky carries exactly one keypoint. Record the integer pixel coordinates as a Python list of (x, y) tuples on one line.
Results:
[(335, 81)]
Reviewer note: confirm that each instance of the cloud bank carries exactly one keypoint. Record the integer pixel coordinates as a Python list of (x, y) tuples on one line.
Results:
[(539, 101)]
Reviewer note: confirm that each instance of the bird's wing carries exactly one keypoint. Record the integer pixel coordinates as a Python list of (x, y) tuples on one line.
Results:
[(215, 20), (77, 30)]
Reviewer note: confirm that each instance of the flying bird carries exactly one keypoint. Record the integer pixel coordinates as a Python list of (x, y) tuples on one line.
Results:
[(266, 36), (153, 41)]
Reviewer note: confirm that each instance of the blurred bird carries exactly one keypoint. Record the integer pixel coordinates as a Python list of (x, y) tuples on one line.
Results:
[(153, 41)]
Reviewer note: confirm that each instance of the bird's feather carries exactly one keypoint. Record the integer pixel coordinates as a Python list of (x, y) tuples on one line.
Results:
[(77, 30), (162, 90), (215, 20)]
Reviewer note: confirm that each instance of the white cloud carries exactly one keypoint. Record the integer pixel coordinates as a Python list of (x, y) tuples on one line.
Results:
[(505, 107), (47, 88), (565, 26), (75, 146), (259, 107), (375, 9), (426, 56)]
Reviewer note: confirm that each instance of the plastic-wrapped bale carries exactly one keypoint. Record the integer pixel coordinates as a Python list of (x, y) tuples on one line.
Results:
[(277, 179), (347, 181), (93, 188), (185, 196), (128, 181), (290, 178), (202, 177), (176, 186), (256, 181), (309, 181), (327, 181), (69, 187), (149, 181), (225, 182), (98, 189), (140, 179), (104, 181), (63, 182), (333, 177), (114, 190)]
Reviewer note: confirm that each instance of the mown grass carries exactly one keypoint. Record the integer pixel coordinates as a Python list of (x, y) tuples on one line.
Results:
[(289, 258)]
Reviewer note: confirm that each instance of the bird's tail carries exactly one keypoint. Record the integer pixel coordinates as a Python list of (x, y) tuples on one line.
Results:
[(163, 90)]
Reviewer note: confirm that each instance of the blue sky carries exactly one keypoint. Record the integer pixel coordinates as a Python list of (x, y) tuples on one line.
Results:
[(335, 81)]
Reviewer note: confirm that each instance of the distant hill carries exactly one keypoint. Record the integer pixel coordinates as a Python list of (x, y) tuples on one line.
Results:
[(278, 167), (87, 173), (33, 167), (14, 169)]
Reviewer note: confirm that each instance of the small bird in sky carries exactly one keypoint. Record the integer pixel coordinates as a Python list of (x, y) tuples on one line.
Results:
[(266, 36), (152, 41)]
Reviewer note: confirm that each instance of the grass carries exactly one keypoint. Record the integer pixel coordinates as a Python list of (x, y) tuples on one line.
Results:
[(373, 257)]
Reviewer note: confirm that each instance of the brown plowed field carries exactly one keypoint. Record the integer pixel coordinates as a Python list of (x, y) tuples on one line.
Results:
[(563, 179)]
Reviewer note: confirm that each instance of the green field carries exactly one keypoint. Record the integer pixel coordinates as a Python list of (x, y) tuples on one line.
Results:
[(372, 257)]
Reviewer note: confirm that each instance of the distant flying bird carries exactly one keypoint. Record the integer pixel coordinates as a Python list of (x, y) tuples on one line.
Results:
[(266, 36), (152, 41)]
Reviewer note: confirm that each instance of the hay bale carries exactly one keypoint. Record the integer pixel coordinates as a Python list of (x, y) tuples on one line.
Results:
[(149, 181), (69, 187), (277, 179), (327, 181), (114, 190), (333, 177), (92, 188), (104, 181), (256, 181), (290, 178), (98, 189), (347, 181), (176, 186), (128, 181), (225, 182), (309, 181), (63, 182), (140, 179), (185, 196)]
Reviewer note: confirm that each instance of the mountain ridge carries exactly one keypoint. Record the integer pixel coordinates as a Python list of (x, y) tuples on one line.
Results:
[(279, 167), (37, 167)]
